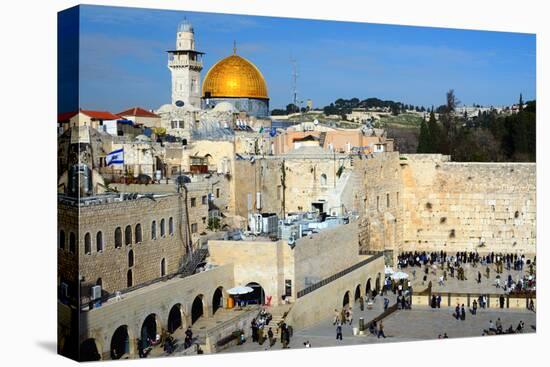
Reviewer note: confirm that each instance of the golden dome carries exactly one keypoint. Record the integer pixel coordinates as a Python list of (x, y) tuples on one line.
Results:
[(234, 76)]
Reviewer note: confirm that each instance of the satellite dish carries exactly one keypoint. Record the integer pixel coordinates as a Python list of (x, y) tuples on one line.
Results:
[(179, 103), (316, 122)]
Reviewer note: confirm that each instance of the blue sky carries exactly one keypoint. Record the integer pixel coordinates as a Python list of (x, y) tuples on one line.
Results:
[(123, 58)]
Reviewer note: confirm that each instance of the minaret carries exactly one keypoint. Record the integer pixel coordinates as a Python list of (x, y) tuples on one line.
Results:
[(185, 64)]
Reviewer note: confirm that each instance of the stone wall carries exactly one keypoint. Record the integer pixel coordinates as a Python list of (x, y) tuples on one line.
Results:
[(382, 220), (268, 263), (101, 323), (306, 178), (325, 254), (321, 303), (457, 206), (112, 264)]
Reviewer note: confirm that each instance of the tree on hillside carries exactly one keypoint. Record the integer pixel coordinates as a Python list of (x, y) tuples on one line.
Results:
[(292, 108), (434, 133), (424, 139)]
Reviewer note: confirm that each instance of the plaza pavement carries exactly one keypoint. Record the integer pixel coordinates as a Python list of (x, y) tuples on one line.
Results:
[(421, 323), (470, 285)]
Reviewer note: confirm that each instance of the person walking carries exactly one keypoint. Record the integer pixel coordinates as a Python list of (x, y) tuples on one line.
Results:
[(462, 313), (381, 330), (457, 312), (270, 337), (474, 307), (339, 332)]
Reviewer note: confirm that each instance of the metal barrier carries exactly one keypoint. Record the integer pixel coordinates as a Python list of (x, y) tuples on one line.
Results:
[(340, 274)]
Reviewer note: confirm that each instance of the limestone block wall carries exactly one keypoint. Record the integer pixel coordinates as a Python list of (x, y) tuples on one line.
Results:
[(268, 263), (100, 323), (112, 264), (321, 303), (382, 207), (325, 254), (306, 179), (457, 206)]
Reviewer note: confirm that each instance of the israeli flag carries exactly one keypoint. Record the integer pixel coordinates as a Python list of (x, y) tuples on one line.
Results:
[(115, 157)]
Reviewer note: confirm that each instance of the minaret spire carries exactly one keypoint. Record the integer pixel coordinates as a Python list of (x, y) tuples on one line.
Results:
[(234, 47)]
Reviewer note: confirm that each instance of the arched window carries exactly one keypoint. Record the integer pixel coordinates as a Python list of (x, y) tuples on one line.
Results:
[(72, 243), (171, 226), (87, 244), (163, 267), (118, 237), (154, 230), (131, 258), (162, 229), (129, 278), (323, 179), (128, 235), (138, 233), (62, 239), (99, 241)]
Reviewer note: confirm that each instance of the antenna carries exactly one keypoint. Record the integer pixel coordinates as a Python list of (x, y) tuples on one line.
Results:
[(294, 81)]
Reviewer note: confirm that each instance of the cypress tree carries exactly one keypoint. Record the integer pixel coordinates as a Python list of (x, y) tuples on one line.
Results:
[(424, 140), (434, 134)]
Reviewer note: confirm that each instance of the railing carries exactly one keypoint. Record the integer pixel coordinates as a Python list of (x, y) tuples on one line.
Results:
[(338, 275)]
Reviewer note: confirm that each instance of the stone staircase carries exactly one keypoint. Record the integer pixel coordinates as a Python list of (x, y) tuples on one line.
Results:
[(278, 314), (189, 267)]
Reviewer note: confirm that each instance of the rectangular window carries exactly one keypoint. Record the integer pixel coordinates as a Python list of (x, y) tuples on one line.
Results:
[(288, 287), (388, 200), (397, 198), (194, 228), (217, 193), (378, 203), (204, 200), (193, 202)]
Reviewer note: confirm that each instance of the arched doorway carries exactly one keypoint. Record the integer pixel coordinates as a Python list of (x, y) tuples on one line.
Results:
[(129, 278), (257, 296), (197, 309), (120, 342), (357, 292), (149, 329), (89, 351), (345, 302), (217, 299), (175, 318)]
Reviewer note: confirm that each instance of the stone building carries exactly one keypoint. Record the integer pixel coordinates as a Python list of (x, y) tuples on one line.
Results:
[(125, 240)]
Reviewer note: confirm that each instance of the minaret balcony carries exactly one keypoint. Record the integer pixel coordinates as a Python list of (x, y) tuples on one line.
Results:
[(185, 64)]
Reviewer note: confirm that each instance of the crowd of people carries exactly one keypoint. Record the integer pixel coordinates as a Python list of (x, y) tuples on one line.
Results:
[(497, 329), (260, 324)]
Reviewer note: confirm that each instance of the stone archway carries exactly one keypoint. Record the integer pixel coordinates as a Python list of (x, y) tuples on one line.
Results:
[(257, 296), (217, 300), (346, 299), (368, 288), (149, 329), (197, 308), (120, 342), (357, 293), (89, 351), (176, 318)]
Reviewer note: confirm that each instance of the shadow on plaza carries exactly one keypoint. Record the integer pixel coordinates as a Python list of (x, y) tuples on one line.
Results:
[(48, 345)]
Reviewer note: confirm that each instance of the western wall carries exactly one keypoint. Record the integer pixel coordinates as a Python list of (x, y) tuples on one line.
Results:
[(455, 206)]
